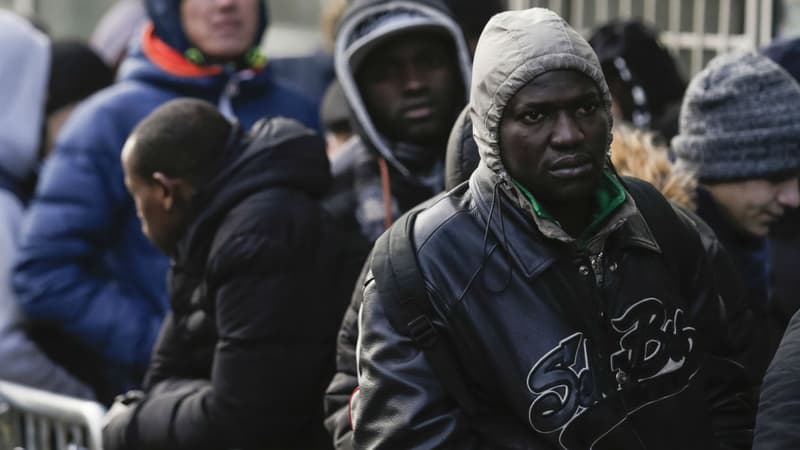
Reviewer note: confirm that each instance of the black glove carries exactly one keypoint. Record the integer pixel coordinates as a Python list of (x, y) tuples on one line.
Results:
[(117, 421)]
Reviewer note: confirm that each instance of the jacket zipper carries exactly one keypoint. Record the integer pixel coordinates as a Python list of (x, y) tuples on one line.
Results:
[(597, 263), (231, 91)]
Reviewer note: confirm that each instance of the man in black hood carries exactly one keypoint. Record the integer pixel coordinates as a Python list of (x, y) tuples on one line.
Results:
[(244, 355)]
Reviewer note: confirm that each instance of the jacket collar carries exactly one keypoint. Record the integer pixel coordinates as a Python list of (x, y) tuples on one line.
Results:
[(533, 241), (608, 198), (153, 62), (275, 153), (169, 60)]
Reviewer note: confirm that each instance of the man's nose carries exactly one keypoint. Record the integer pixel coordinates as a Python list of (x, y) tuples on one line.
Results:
[(566, 132), (413, 77), (789, 193)]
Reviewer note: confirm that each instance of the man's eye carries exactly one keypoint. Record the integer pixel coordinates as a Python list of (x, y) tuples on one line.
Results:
[(533, 117), (380, 71), (588, 109), (378, 74), (426, 61)]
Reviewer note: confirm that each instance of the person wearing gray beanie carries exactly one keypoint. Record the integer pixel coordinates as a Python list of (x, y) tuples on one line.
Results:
[(740, 120), (784, 235), (547, 302), (778, 405), (740, 135)]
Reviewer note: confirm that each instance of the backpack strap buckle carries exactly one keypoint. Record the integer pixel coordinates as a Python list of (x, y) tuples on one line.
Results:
[(422, 331)]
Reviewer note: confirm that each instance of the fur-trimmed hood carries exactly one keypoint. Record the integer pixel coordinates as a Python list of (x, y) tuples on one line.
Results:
[(635, 153)]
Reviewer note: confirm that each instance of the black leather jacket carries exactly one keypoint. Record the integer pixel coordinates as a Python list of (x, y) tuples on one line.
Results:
[(563, 347)]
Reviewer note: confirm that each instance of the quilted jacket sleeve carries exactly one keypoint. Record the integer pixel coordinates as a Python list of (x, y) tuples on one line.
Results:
[(268, 366), (23, 361), (61, 276)]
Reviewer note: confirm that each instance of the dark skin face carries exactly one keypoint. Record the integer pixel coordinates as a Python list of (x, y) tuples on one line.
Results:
[(412, 88), (553, 140), (163, 204)]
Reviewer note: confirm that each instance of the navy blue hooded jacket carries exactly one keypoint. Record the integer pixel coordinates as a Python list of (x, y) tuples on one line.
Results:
[(85, 266)]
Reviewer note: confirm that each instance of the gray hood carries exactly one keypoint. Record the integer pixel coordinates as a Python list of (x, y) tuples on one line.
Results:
[(367, 23), (24, 71), (514, 48)]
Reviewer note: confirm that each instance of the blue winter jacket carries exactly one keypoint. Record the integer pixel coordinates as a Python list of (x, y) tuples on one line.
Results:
[(85, 265)]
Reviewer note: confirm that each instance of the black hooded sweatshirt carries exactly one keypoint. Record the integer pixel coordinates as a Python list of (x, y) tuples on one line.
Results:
[(243, 358)]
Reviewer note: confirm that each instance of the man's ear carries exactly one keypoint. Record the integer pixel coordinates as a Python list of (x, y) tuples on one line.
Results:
[(177, 192), (167, 186)]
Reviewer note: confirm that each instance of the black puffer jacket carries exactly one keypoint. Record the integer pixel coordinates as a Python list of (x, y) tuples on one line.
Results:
[(243, 359)]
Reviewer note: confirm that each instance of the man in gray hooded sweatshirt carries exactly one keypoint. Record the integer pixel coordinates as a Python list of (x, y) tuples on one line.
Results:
[(577, 309), (404, 69), (25, 64)]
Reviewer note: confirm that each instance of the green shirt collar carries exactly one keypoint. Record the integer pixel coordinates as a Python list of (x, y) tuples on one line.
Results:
[(607, 198)]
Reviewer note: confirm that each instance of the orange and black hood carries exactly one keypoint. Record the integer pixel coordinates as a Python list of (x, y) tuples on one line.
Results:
[(166, 17)]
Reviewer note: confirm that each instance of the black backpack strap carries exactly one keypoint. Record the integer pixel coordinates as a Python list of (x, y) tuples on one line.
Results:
[(408, 307), (677, 241)]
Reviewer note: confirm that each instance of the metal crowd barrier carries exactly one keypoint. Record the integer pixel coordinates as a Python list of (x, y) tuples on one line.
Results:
[(32, 419)]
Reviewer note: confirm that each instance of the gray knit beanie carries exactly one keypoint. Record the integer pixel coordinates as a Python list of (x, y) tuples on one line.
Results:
[(740, 119)]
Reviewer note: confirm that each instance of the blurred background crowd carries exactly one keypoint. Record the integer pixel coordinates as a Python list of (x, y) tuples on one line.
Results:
[(649, 50)]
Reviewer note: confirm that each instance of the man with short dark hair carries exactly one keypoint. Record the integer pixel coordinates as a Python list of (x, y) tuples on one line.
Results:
[(556, 305), (85, 269), (244, 355)]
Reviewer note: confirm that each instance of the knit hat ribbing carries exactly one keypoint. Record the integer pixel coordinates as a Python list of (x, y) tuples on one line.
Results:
[(740, 120)]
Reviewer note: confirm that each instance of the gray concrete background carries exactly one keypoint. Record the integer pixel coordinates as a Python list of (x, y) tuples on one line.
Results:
[(294, 25)]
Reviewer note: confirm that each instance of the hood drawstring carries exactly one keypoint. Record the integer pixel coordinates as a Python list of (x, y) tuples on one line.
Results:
[(231, 90), (485, 254), (496, 199), (386, 186)]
